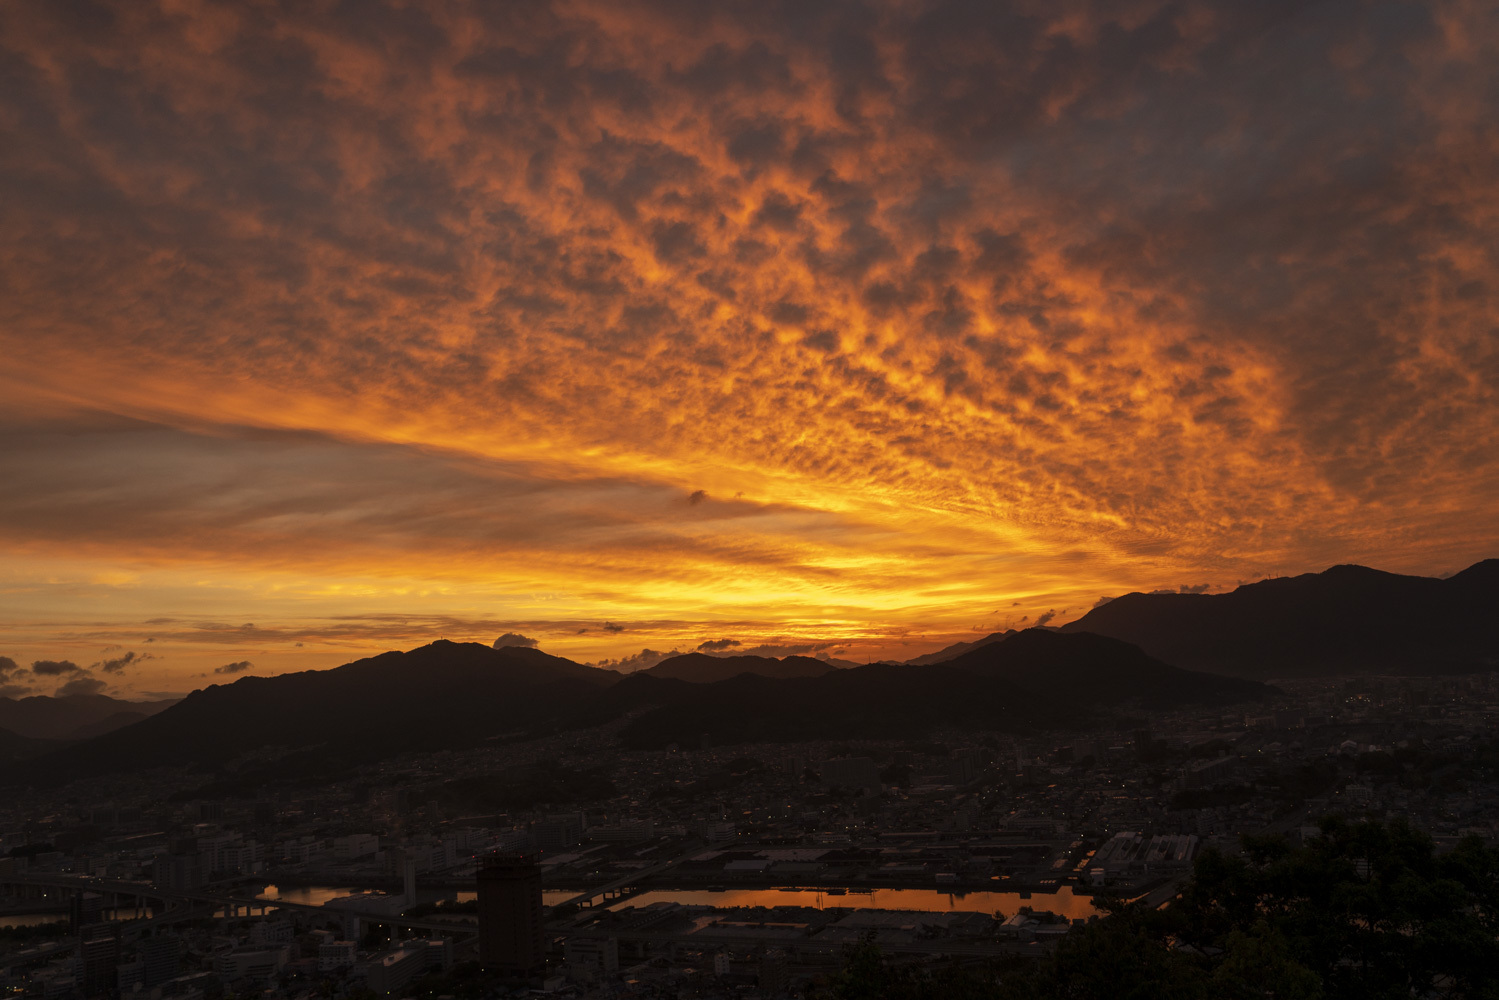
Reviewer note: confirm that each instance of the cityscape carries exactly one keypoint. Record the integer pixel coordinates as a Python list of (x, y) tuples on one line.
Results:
[(792, 500), (569, 864)]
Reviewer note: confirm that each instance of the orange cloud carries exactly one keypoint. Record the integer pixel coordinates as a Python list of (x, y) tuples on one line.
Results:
[(927, 306)]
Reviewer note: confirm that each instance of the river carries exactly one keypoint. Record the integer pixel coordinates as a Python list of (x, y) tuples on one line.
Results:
[(1061, 902)]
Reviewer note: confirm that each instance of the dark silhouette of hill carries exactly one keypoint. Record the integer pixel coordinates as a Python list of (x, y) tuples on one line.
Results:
[(14, 747), (48, 718), (959, 648), (458, 694), (1081, 668), (442, 694), (700, 668), (879, 700), (1347, 619), (108, 724)]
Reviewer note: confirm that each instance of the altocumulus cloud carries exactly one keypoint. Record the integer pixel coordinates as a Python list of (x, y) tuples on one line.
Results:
[(932, 266)]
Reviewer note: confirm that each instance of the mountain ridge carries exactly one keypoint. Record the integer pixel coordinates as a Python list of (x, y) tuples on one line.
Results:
[(48, 717), (1345, 619)]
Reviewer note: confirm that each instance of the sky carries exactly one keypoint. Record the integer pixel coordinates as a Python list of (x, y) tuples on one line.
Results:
[(625, 327)]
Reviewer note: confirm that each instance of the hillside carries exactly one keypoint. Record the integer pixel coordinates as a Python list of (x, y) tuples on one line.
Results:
[(1096, 671), (14, 747), (443, 694), (700, 668), (1348, 619), (451, 695), (959, 648), (47, 718), (878, 701)]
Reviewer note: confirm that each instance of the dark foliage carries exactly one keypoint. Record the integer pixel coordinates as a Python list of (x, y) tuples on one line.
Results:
[(1363, 912)]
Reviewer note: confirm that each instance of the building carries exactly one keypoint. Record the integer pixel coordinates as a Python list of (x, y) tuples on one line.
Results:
[(590, 960), (557, 832), (180, 871), (626, 831), (510, 915), (335, 955), (394, 970), (773, 975), (160, 956), (250, 963), (355, 845), (851, 773), (98, 957)]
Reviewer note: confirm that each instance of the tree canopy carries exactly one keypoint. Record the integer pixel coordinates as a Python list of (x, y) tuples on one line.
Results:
[(1365, 911)]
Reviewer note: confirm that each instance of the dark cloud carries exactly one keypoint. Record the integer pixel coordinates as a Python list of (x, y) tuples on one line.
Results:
[(54, 668), (7, 667), (778, 649), (119, 663), (81, 686), (1194, 588), (1045, 618), (697, 497), (612, 627), (238, 667), (643, 660), (716, 645), (515, 639)]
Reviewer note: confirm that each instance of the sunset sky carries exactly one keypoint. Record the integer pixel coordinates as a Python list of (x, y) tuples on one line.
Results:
[(856, 328)]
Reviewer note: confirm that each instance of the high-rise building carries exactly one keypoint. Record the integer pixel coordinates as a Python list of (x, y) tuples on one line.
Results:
[(98, 958), (160, 956), (851, 773), (773, 973), (510, 931), (85, 908)]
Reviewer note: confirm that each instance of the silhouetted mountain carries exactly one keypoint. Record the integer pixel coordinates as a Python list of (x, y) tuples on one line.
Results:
[(109, 724), (48, 718), (700, 668), (14, 747), (458, 694), (880, 700), (959, 648), (443, 694), (1348, 619), (1081, 668)]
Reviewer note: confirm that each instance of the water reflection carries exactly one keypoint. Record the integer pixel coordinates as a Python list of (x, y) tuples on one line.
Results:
[(311, 895), (1062, 901)]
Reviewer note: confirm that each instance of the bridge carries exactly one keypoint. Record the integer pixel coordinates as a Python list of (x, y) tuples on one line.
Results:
[(627, 885)]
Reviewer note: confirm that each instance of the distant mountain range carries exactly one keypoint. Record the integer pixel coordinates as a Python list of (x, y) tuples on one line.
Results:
[(458, 694), (443, 694), (74, 717), (1346, 620), (1139, 652)]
